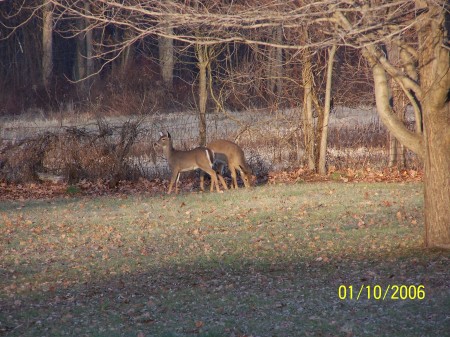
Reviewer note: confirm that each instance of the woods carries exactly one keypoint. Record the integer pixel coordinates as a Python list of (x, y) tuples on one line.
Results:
[(291, 42)]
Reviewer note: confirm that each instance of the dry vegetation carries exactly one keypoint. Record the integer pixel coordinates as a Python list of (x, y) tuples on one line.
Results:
[(113, 149), (74, 154)]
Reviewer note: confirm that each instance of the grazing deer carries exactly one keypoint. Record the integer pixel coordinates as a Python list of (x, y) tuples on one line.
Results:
[(229, 153), (182, 161)]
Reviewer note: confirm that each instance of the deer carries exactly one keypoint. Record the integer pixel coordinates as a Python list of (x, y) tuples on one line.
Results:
[(228, 153), (182, 161)]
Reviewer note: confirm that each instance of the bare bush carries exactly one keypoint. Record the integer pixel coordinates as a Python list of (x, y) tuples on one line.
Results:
[(21, 162), (75, 154)]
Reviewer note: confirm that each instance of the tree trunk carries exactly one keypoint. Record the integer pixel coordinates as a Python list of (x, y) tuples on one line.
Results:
[(398, 99), (80, 66), (89, 44), (326, 112), (128, 53), (202, 57), (308, 121), (437, 176), (85, 62), (166, 60), (275, 63), (434, 64), (279, 62), (47, 43), (409, 64), (29, 66)]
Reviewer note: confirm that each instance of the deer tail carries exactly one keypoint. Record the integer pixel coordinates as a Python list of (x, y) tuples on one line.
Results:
[(210, 156)]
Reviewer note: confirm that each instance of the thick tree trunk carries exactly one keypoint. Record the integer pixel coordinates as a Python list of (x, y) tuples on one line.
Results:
[(166, 60), (47, 43), (435, 81), (437, 177), (275, 64)]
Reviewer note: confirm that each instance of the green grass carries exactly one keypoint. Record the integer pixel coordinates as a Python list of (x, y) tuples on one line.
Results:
[(262, 262)]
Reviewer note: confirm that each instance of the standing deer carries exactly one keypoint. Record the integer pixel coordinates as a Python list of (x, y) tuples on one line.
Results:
[(229, 153), (182, 161)]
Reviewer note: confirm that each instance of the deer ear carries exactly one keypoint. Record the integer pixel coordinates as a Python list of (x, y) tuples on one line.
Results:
[(161, 134), (168, 134)]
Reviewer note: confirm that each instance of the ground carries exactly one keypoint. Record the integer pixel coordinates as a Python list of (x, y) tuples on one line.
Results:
[(274, 260)]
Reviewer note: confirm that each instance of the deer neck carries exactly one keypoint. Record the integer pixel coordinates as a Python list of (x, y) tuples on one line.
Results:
[(168, 151)]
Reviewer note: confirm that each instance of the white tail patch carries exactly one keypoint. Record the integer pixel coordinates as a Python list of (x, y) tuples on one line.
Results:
[(209, 157)]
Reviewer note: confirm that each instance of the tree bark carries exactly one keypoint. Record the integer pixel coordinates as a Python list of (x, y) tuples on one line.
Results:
[(275, 64), (85, 62), (128, 53), (308, 121), (80, 65), (89, 44), (398, 102), (166, 61), (326, 112), (409, 61), (434, 64), (47, 43), (202, 64)]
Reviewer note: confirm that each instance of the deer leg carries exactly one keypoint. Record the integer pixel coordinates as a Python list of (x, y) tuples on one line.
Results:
[(214, 178), (211, 188), (224, 184), (220, 175), (174, 180), (202, 180), (176, 183), (175, 177), (214, 181), (233, 176)]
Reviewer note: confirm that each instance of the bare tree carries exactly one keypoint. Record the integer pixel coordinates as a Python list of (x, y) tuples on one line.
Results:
[(428, 93)]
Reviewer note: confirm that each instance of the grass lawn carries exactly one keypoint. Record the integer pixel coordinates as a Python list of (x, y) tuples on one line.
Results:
[(262, 262)]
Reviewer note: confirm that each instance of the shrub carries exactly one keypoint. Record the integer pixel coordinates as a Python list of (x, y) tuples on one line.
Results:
[(75, 154)]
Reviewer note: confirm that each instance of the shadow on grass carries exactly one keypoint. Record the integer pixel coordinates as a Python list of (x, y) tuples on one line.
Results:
[(241, 297)]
